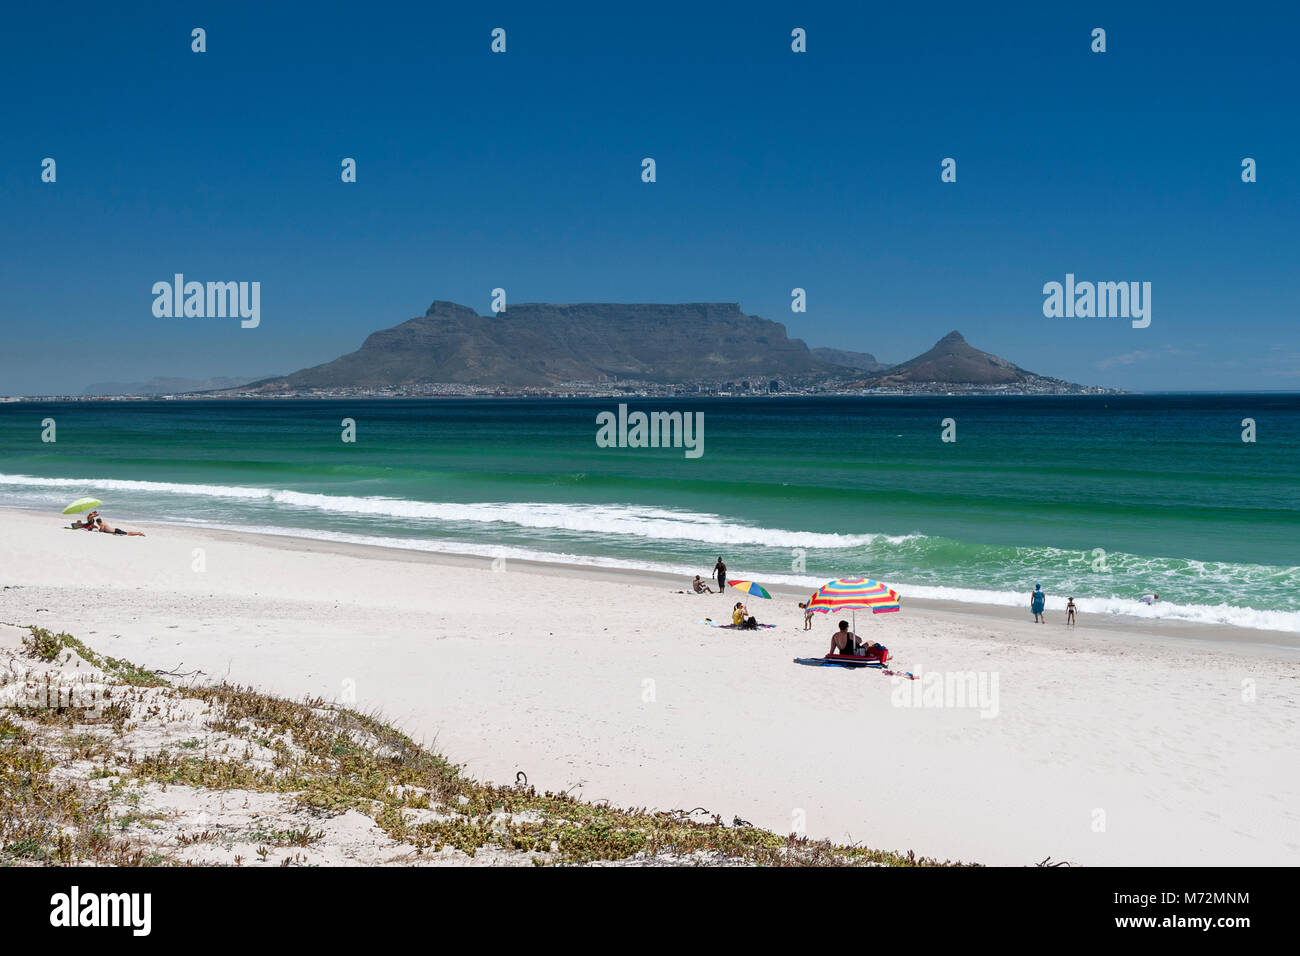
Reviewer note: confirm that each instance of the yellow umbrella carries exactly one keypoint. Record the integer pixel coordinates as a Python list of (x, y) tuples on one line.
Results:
[(82, 504)]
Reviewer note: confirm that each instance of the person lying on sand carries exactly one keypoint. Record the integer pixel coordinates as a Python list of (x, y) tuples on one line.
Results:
[(104, 526), (699, 587)]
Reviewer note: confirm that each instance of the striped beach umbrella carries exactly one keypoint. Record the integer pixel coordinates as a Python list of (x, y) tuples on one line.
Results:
[(854, 594), (749, 587)]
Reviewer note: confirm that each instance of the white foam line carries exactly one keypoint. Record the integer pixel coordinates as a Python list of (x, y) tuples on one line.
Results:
[(626, 520)]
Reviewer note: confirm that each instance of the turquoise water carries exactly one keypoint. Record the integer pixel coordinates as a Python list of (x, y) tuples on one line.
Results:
[(789, 490)]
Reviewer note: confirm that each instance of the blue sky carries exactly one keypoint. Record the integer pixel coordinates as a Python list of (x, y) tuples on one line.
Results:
[(775, 170)]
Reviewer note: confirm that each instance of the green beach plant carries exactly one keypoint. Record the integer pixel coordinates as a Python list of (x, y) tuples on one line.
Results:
[(324, 760)]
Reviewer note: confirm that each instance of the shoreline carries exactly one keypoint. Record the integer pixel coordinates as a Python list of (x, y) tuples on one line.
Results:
[(606, 684), (560, 396), (1238, 639)]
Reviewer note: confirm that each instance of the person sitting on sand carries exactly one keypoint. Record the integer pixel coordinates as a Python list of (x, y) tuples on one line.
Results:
[(1069, 613), (699, 587), (845, 641), (106, 528), (87, 523)]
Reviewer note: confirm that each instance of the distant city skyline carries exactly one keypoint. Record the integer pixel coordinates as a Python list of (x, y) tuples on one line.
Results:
[(774, 171)]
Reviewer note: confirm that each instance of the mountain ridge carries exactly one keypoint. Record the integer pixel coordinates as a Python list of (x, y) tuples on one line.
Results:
[(541, 345)]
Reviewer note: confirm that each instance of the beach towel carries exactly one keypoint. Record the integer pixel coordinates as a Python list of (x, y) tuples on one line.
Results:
[(838, 661)]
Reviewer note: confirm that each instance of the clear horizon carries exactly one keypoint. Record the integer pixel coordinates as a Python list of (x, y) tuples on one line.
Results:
[(775, 170)]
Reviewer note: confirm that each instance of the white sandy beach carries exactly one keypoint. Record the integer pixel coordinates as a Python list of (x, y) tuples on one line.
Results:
[(1109, 745)]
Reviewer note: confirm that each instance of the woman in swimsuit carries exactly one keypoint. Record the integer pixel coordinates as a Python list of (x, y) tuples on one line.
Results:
[(844, 641), (104, 526)]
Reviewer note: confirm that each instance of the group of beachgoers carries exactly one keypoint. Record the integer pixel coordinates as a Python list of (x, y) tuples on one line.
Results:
[(843, 641), (719, 573), (1038, 604), (93, 522)]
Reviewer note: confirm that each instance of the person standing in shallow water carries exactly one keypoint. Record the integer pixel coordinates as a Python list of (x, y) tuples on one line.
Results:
[(1036, 602), (720, 570)]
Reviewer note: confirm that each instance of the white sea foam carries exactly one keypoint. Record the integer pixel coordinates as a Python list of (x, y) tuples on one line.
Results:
[(628, 520), (658, 524)]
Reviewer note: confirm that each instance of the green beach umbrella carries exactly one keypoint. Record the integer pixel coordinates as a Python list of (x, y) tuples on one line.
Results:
[(82, 504)]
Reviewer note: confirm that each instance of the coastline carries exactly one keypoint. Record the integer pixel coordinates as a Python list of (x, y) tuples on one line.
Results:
[(1119, 626), (1116, 627), (603, 682)]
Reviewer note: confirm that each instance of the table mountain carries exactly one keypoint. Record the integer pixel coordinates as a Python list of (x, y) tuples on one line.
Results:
[(539, 344)]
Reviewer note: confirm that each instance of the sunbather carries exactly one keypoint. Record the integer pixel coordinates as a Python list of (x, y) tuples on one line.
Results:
[(846, 643), (106, 528), (699, 587)]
